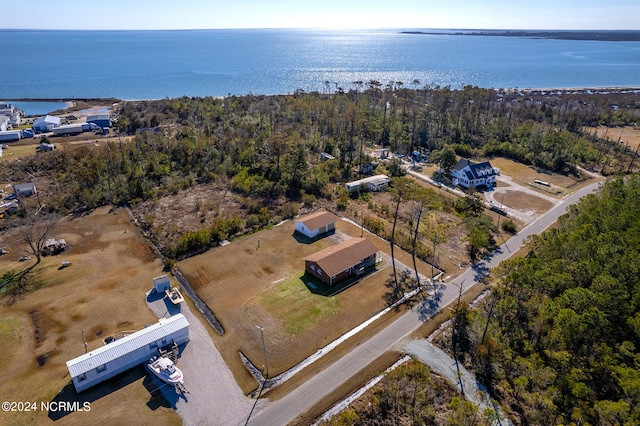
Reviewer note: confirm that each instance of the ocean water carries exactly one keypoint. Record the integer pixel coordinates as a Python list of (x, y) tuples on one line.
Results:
[(37, 107), (160, 64)]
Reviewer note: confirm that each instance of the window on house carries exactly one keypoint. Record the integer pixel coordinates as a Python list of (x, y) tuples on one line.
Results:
[(319, 271), (313, 267), (101, 368)]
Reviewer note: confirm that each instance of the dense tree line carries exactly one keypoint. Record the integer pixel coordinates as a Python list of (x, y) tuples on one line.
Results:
[(266, 148), (559, 341), (548, 130)]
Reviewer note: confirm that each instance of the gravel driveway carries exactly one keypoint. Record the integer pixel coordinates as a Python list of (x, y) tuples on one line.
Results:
[(213, 396)]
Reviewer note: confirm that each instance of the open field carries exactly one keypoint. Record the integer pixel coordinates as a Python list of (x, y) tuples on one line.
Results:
[(248, 284), (525, 175), (627, 135), (101, 292)]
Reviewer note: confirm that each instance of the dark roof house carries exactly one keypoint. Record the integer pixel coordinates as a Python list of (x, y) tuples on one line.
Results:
[(341, 261), (466, 173)]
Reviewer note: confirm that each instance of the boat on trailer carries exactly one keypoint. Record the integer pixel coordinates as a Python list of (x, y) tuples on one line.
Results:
[(165, 370), (174, 295)]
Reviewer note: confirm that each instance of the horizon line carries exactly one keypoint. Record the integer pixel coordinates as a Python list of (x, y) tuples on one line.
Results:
[(327, 29)]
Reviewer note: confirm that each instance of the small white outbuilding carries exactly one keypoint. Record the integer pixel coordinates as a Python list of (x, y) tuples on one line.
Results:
[(161, 283), (316, 223)]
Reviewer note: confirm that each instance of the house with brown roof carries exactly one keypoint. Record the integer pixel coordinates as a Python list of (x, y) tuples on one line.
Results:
[(316, 223), (347, 259)]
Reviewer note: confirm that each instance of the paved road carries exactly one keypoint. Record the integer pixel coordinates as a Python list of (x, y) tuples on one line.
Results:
[(284, 410)]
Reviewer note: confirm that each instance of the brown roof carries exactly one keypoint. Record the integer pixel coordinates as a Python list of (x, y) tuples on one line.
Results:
[(335, 259), (317, 219)]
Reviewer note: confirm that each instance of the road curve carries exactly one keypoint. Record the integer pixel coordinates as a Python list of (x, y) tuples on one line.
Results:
[(286, 409)]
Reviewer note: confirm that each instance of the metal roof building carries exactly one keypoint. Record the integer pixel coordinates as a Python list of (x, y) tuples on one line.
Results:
[(316, 223), (46, 123), (105, 362), (24, 189), (101, 120)]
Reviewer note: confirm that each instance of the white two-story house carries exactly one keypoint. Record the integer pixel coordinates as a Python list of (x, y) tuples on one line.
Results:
[(466, 173)]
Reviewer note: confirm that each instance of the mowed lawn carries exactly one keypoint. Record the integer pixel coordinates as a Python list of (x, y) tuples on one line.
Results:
[(257, 281), (102, 293)]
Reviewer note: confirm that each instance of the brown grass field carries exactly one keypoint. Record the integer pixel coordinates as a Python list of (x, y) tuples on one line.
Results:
[(101, 292), (248, 284), (626, 134), (524, 175)]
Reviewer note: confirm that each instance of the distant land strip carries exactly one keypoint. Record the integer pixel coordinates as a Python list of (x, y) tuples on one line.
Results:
[(630, 35)]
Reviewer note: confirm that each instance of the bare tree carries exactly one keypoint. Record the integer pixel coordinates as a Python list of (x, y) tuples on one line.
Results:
[(36, 232)]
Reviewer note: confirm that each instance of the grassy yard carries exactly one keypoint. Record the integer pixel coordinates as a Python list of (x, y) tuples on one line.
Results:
[(296, 307)]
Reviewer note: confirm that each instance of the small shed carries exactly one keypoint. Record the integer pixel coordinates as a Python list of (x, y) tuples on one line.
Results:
[(316, 223), (100, 120), (123, 354), (161, 283), (24, 189)]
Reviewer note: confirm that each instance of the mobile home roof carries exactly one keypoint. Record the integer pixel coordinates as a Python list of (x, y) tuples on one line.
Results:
[(121, 347)]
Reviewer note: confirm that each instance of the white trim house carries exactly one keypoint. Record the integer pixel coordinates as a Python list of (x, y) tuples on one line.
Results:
[(123, 354), (466, 173)]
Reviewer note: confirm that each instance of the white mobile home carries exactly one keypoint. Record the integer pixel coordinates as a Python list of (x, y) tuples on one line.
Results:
[(373, 183), (122, 354)]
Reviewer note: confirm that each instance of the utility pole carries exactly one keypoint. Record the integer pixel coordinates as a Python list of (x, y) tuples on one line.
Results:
[(85, 341), (500, 214), (433, 261), (264, 350)]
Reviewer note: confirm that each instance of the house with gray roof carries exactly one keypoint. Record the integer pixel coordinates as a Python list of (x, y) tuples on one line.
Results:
[(466, 174)]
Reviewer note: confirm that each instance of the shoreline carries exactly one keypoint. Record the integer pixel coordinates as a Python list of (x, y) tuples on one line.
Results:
[(595, 89)]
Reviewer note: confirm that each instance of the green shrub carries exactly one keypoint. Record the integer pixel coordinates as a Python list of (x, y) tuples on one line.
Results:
[(509, 226)]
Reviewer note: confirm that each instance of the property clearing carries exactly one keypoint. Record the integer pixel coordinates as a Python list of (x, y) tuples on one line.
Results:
[(248, 284), (103, 293)]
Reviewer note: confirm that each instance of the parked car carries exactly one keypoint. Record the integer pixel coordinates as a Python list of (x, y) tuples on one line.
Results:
[(28, 133)]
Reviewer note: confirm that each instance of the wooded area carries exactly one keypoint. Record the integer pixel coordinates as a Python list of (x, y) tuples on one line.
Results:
[(265, 149), (556, 342)]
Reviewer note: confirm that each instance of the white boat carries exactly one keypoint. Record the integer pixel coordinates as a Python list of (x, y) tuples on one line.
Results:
[(174, 295), (165, 370)]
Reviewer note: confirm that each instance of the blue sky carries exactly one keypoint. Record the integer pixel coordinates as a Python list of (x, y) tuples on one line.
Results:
[(205, 14)]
